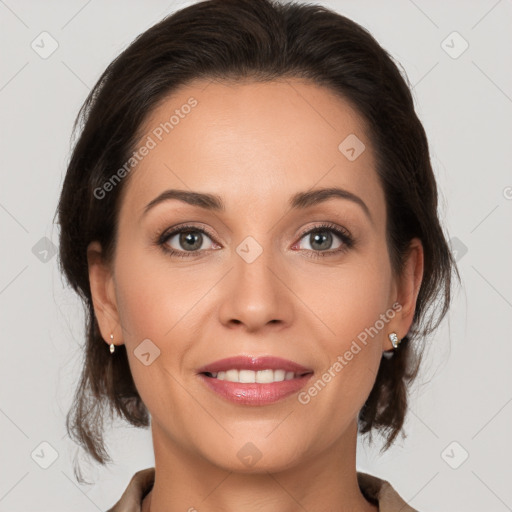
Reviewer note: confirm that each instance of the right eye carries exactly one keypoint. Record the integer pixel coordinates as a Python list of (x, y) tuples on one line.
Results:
[(184, 239)]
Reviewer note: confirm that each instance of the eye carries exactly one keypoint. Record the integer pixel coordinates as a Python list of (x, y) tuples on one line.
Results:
[(183, 240), (320, 240)]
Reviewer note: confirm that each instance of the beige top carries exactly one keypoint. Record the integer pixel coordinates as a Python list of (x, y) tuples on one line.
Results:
[(375, 490)]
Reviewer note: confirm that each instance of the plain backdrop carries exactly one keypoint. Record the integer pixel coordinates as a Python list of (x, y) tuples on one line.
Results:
[(457, 454)]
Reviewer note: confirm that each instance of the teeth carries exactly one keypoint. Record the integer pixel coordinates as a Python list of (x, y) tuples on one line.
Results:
[(249, 376)]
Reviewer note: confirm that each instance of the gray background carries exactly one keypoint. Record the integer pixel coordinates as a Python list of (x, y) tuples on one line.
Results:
[(461, 404)]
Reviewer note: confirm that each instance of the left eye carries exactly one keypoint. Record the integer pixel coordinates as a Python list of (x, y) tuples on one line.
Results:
[(321, 239)]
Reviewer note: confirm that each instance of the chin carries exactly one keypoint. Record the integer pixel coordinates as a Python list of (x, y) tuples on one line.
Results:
[(253, 457)]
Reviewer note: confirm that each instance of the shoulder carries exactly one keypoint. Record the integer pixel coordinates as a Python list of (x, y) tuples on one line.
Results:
[(382, 492), (140, 484)]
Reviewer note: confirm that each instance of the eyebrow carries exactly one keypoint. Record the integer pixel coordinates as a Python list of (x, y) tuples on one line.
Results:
[(298, 201)]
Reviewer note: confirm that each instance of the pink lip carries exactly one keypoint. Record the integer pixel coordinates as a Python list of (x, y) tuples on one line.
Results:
[(255, 364), (255, 393)]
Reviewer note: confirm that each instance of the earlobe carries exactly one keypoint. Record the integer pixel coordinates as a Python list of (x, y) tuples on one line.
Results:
[(102, 290)]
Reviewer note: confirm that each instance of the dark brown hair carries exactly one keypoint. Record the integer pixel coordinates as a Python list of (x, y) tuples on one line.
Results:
[(258, 40)]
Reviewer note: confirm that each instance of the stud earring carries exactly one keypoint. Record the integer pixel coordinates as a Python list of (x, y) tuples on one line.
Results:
[(112, 346), (393, 337)]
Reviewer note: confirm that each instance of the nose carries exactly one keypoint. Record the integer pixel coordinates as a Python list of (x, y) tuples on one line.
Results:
[(256, 295)]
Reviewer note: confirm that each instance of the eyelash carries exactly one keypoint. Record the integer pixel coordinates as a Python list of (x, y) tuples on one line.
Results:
[(346, 238)]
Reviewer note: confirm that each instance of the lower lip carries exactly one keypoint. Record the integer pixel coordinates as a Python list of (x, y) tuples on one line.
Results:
[(255, 393)]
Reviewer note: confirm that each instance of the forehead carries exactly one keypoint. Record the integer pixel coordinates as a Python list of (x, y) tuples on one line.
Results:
[(253, 143)]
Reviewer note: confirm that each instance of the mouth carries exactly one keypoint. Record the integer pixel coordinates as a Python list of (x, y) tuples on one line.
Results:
[(246, 366), (254, 381), (267, 376)]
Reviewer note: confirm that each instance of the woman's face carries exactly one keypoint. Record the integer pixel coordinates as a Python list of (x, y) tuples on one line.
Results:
[(250, 279)]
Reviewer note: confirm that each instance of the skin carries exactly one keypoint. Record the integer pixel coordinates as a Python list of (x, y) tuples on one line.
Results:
[(255, 145)]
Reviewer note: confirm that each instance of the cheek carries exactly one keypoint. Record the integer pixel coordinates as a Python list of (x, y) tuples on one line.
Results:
[(352, 299), (139, 299), (352, 351), (356, 308), (160, 303), (151, 296), (151, 303)]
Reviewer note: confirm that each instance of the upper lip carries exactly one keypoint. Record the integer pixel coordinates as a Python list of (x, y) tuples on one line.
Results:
[(255, 364)]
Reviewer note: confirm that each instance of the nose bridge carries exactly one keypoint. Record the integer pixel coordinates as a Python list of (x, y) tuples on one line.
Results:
[(253, 262), (255, 294)]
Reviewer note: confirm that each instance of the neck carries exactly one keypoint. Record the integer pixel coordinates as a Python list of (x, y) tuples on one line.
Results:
[(186, 481)]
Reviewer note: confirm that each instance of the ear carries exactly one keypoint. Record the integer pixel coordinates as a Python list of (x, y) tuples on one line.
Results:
[(407, 289), (101, 281)]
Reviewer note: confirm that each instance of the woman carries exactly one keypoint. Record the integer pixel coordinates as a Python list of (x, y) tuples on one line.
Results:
[(250, 216)]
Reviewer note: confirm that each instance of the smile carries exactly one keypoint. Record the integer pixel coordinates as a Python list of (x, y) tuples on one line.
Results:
[(250, 376), (244, 389)]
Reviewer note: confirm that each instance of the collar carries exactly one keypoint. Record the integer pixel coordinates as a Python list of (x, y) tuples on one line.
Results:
[(374, 489)]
